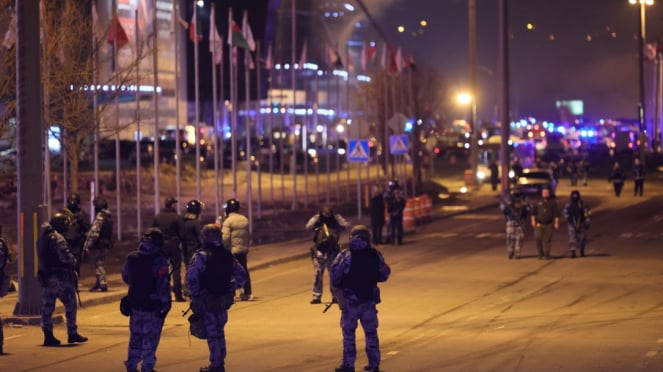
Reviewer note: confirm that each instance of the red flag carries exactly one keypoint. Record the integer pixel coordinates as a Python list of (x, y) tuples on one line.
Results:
[(409, 61), (122, 38), (393, 65), (195, 34), (372, 52)]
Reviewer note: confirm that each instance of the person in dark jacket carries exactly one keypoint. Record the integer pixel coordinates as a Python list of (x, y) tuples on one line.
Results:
[(213, 276), (355, 274), (328, 226), (171, 225), (396, 208), (544, 218), (377, 209), (57, 278), (192, 226), (494, 175), (146, 273), (80, 225), (577, 216), (638, 177), (99, 241), (617, 177)]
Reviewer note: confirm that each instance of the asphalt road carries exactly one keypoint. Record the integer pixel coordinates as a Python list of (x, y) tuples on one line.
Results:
[(454, 303)]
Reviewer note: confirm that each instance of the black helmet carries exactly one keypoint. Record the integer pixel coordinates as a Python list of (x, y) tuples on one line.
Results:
[(74, 199), (60, 222), (99, 203), (210, 234), (153, 235), (170, 201), (232, 205), (575, 195), (195, 207), (360, 232)]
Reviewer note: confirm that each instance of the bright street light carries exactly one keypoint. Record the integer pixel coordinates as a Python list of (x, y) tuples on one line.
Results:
[(464, 98)]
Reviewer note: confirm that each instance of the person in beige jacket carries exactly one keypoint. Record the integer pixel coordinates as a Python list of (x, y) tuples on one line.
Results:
[(235, 232)]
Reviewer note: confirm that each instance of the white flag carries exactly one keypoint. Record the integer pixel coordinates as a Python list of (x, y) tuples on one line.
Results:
[(247, 33), (215, 40)]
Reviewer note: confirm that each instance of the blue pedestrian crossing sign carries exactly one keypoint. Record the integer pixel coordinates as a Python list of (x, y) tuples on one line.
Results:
[(358, 150), (398, 144)]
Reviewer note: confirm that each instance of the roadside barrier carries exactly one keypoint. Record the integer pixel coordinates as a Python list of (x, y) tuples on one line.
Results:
[(408, 213)]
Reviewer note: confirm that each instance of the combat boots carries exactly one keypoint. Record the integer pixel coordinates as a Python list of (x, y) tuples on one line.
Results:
[(76, 338), (344, 368), (50, 340)]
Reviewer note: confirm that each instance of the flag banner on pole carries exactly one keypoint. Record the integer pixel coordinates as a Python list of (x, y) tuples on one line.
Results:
[(215, 40), (334, 58), (363, 57), (10, 36), (393, 66), (235, 37), (195, 33), (269, 63), (302, 59), (176, 19), (247, 33), (409, 61), (249, 60), (399, 60), (372, 52), (383, 57), (122, 38), (348, 60)]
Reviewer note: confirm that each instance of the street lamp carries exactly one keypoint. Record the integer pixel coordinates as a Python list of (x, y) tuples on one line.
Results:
[(467, 99), (641, 73)]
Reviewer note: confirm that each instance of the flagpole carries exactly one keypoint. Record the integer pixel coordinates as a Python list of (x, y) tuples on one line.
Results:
[(197, 96), (155, 103), (215, 115), (270, 103), (178, 139), (137, 99), (222, 149), (117, 124), (233, 102), (259, 130), (247, 122), (281, 131), (293, 162), (326, 135), (95, 109), (315, 126), (347, 109)]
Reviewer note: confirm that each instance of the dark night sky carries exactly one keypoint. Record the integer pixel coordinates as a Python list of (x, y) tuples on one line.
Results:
[(601, 72)]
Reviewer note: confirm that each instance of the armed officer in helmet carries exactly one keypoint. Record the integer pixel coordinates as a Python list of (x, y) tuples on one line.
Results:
[(80, 225), (192, 227), (235, 230), (327, 226), (171, 225), (212, 279), (578, 217), (57, 278), (99, 241), (146, 273), (355, 274), (516, 212)]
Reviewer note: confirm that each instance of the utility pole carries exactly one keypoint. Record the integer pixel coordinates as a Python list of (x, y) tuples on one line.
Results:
[(504, 93), (474, 136), (31, 212)]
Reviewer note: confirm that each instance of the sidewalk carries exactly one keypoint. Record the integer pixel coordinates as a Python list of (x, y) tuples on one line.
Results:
[(266, 255)]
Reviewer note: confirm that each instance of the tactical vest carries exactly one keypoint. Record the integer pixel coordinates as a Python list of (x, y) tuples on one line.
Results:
[(142, 283), (48, 255), (218, 272), (362, 278)]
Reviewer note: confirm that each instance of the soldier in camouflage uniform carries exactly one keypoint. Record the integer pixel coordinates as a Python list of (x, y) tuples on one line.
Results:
[(355, 274), (57, 278), (516, 211), (212, 278), (577, 216), (80, 225), (99, 241), (146, 273)]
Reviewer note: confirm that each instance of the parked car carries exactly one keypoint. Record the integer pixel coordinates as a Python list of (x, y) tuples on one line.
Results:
[(533, 180)]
